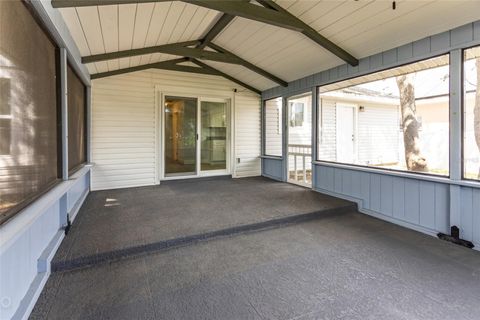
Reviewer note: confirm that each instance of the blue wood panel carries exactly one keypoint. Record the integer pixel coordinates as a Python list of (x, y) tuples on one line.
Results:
[(427, 204), (476, 216), (375, 192), (412, 201), (442, 210), (338, 180), (399, 198), (466, 215), (347, 182), (386, 200), (273, 168)]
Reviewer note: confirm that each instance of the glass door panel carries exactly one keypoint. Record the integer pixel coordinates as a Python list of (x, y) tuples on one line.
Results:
[(300, 140), (180, 118), (213, 119)]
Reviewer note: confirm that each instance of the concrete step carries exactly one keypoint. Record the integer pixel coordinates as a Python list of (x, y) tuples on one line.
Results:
[(156, 247)]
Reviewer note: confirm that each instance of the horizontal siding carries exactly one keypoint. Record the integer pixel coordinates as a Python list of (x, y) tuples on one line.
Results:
[(327, 143), (124, 127), (248, 135), (378, 134), (123, 133), (273, 127)]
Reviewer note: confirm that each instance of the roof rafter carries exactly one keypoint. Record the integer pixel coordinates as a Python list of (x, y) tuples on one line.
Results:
[(226, 76), (164, 65), (177, 49), (270, 13)]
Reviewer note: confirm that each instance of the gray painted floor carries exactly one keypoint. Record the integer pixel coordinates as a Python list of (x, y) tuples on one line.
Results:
[(348, 266), (115, 219)]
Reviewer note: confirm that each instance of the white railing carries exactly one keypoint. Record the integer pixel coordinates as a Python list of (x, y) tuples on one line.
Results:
[(302, 151)]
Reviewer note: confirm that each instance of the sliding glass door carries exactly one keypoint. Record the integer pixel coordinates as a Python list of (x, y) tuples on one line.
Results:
[(214, 135), (188, 120), (180, 155)]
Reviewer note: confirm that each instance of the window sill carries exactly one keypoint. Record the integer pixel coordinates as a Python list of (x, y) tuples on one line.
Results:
[(272, 157)]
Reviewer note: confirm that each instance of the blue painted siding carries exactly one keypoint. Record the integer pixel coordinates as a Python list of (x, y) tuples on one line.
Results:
[(464, 36), (25, 240)]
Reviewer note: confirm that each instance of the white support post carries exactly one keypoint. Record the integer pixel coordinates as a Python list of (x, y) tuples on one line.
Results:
[(64, 99), (456, 94)]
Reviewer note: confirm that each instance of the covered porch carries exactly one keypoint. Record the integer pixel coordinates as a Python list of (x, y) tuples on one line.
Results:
[(263, 159)]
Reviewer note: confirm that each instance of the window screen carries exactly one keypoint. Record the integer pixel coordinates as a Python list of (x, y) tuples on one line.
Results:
[(76, 121), (273, 127), (28, 109), (471, 114), (396, 119)]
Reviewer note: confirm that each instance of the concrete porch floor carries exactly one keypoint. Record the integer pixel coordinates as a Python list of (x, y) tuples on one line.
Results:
[(114, 220), (343, 265)]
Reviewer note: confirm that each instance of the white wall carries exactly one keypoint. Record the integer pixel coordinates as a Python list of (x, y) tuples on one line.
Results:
[(125, 131)]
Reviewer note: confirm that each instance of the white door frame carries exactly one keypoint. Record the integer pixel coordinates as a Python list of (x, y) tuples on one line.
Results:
[(355, 128), (160, 136)]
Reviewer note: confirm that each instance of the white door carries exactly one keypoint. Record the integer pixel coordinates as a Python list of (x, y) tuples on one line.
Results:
[(346, 134)]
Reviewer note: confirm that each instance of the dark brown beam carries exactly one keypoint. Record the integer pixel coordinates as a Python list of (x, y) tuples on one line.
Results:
[(313, 34), (172, 49), (250, 66), (166, 48), (250, 11), (226, 76), (224, 20), (271, 13), (165, 65)]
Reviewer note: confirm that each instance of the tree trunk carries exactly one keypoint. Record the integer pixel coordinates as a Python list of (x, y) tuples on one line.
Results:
[(476, 110), (413, 157)]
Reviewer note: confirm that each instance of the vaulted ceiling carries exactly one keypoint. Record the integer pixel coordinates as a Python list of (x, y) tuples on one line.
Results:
[(273, 52)]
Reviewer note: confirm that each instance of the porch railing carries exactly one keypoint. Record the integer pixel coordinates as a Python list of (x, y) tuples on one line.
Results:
[(299, 151)]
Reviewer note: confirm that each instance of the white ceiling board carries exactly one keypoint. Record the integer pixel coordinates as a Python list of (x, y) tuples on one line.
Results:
[(126, 22), (205, 24), (90, 22), (109, 24), (363, 28), (76, 30), (243, 74), (159, 14), (183, 22), (143, 18), (417, 24)]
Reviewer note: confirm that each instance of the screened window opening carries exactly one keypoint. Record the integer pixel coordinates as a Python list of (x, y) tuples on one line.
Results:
[(296, 114), (76, 121), (396, 119), (28, 109), (273, 127), (471, 114)]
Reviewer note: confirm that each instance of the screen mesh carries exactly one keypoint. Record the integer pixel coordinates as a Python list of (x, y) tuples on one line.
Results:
[(28, 109), (76, 121)]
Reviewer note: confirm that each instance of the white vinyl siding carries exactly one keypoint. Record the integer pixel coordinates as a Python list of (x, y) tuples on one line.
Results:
[(378, 134), (124, 126), (273, 127), (327, 140), (248, 135)]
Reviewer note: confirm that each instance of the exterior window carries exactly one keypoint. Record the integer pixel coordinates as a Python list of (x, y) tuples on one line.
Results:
[(273, 127), (76, 121), (471, 114), (396, 119), (29, 145), (5, 117), (296, 114)]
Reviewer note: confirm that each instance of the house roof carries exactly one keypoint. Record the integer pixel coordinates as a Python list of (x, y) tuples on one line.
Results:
[(360, 28)]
